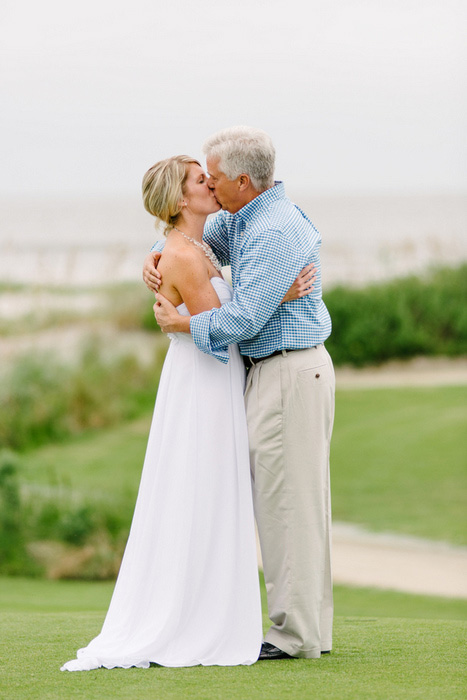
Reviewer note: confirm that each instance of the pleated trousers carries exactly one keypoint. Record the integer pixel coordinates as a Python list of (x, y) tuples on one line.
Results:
[(290, 412)]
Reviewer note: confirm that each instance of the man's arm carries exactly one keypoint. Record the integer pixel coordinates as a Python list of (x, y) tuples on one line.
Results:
[(215, 234), (269, 265), (170, 321)]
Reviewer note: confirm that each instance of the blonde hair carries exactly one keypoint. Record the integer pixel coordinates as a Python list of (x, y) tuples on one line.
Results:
[(163, 186)]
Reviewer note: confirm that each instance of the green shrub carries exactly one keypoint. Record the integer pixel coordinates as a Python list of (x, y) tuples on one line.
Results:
[(399, 319), (43, 400), (14, 558), (77, 525), (52, 513), (46, 530)]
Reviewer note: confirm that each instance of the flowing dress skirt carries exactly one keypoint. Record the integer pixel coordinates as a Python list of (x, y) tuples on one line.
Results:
[(187, 592)]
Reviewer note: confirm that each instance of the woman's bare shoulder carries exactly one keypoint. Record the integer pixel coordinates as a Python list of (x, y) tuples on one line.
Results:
[(185, 276), (182, 267), (181, 257)]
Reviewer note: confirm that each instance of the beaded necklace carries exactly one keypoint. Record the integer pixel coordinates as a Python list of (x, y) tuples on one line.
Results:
[(205, 248)]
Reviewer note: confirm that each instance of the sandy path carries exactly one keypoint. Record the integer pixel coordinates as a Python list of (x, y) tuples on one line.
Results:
[(420, 371), (398, 563), (408, 564)]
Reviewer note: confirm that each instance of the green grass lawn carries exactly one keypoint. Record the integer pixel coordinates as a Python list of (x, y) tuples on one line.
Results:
[(101, 463), (383, 650), (398, 462), (43, 596)]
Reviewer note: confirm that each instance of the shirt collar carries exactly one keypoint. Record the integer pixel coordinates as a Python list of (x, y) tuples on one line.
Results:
[(262, 201)]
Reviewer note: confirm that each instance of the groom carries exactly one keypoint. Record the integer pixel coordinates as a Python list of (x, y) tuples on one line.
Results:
[(289, 394)]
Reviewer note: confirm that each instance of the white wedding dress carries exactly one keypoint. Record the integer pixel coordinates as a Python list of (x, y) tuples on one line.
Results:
[(187, 592)]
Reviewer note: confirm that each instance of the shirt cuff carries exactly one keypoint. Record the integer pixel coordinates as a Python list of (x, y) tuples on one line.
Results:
[(199, 328), (159, 246)]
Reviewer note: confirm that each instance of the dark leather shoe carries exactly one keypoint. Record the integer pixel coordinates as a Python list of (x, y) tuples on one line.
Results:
[(269, 651)]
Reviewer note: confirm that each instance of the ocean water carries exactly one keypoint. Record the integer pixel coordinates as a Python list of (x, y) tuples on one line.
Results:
[(101, 240)]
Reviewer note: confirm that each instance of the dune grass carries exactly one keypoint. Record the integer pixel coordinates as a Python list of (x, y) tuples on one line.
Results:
[(399, 318), (126, 305), (45, 401), (375, 656)]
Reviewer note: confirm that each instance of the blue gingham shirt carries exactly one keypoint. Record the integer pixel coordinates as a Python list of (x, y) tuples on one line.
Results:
[(267, 243)]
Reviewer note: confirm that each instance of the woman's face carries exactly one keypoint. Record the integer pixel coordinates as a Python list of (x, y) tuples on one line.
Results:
[(196, 193)]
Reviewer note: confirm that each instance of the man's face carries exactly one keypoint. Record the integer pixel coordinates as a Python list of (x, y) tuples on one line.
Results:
[(226, 191)]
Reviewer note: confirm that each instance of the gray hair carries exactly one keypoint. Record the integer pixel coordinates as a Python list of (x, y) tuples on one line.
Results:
[(244, 149)]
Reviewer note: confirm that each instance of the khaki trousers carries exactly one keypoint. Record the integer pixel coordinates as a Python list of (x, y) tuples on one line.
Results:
[(290, 412)]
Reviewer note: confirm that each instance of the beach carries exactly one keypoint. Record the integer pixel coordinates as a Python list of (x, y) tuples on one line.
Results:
[(88, 241)]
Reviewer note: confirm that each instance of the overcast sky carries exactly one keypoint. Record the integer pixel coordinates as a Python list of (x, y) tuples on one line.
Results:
[(358, 95)]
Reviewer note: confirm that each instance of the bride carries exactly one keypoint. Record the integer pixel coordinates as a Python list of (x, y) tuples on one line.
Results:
[(187, 592)]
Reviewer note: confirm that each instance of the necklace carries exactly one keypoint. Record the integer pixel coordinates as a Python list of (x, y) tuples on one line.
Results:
[(205, 248)]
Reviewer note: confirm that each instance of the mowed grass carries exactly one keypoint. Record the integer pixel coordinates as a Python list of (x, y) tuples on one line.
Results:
[(379, 652), (399, 459), (43, 596), (398, 462), (105, 463)]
